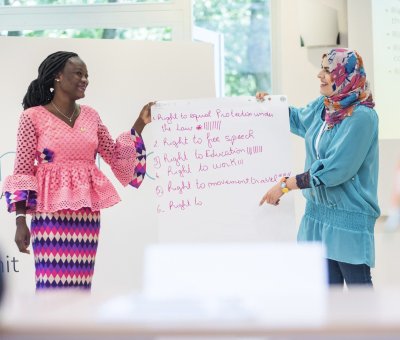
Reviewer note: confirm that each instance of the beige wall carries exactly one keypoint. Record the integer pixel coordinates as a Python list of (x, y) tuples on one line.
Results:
[(360, 33)]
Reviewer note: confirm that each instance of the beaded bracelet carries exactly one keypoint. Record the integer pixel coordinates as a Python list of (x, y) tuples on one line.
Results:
[(284, 187)]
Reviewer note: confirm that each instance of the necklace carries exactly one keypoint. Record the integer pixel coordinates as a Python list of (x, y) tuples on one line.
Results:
[(63, 114)]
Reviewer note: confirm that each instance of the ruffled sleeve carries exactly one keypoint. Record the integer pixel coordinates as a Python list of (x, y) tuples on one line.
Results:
[(126, 155), (22, 185)]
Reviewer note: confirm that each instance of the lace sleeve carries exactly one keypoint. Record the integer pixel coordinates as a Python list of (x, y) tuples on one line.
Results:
[(303, 180), (126, 155)]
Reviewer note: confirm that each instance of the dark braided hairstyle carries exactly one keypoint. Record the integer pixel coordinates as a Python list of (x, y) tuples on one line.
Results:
[(39, 92)]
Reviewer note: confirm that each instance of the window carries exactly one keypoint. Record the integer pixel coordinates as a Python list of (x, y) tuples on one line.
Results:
[(243, 24), (245, 28)]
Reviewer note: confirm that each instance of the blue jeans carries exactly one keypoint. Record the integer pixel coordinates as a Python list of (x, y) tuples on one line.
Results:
[(352, 274)]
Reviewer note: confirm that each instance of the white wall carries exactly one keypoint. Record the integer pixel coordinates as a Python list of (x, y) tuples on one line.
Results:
[(375, 31), (362, 36), (360, 33), (296, 66)]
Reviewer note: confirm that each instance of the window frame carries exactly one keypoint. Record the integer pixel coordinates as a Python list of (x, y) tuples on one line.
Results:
[(176, 14), (217, 40)]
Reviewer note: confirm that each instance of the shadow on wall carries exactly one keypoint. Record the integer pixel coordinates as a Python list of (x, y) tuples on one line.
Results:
[(3, 158), (7, 157), (389, 168), (1, 284), (392, 185)]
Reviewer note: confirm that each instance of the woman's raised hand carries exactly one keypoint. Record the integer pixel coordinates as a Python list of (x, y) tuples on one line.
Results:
[(261, 95), (145, 114), (144, 117)]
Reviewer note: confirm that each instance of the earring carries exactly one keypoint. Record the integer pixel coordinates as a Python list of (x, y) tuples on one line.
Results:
[(57, 80), (51, 89)]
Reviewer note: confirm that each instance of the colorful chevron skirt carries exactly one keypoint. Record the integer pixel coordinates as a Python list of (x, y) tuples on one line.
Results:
[(64, 245)]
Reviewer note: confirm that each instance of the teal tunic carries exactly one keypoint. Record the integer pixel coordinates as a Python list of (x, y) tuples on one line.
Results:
[(342, 203)]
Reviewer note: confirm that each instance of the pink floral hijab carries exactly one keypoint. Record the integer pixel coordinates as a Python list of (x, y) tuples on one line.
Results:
[(349, 85)]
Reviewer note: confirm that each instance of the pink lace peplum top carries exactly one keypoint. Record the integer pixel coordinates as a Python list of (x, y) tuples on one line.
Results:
[(55, 164)]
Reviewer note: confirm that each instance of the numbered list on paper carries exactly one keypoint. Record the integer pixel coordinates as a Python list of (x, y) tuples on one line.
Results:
[(219, 154)]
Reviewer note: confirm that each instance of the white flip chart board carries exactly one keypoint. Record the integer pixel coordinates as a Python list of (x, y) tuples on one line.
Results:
[(213, 160)]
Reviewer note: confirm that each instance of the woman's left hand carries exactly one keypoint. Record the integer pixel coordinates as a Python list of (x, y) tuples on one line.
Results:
[(273, 195), (145, 114), (144, 117)]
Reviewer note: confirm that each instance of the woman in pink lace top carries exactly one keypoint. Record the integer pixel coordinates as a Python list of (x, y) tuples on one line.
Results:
[(55, 177)]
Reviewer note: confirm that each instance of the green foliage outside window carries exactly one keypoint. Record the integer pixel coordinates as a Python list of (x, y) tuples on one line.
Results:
[(245, 26), (151, 33)]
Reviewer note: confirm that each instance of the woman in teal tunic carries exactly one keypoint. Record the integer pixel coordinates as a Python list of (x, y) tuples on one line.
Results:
[(340, 130)]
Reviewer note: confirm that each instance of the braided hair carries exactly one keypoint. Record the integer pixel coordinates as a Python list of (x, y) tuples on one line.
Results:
[(40, 90)]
